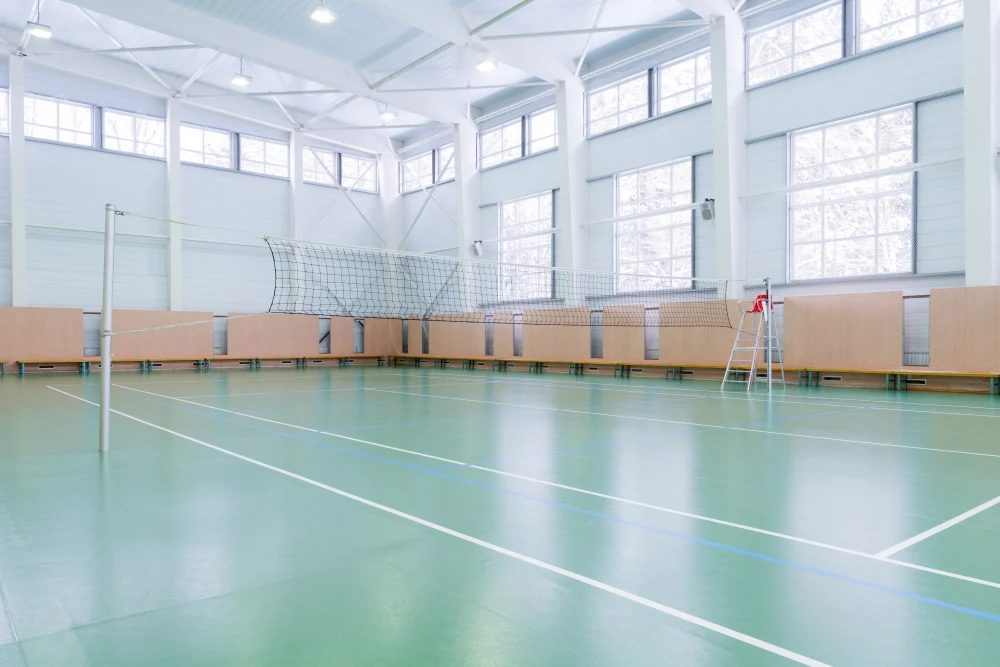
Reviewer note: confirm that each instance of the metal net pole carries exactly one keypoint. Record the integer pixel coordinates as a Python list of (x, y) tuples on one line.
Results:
[(106, 335)]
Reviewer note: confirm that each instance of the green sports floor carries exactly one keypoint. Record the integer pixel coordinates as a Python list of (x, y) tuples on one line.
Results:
[(396, 516)]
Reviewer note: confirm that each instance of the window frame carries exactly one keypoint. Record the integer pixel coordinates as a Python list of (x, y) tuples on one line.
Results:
[(617, 233), (233, 147), (791, 206), (134, 116), (499, 128), (441, 174), (858, 48), (657, 83), (529, 137), (792, 19), (549, 231), (94, 113), (335, 179), (356, 187), (5, 112), (288, 166), (620, 82), (417, 186)]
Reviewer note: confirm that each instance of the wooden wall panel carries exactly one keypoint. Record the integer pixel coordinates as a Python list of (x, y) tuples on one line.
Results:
[(383, 336), (503, 341), (846, 332), (557, 342), (274, 336), (415, 336), (624, 341), (195, 341), (965, 329), (458, 340), (342, 335), (41, 334), (695, 346)]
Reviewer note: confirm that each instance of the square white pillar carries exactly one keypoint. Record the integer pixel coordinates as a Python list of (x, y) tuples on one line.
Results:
[(18, 202), (175, 265), (571, 207)]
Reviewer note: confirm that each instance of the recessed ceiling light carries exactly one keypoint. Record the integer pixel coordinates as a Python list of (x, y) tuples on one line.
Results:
[(323, 14), (40, 30), (388, 116), (487, 64)]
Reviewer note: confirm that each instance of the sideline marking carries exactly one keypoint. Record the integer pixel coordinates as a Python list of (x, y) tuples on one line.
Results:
[(555, 569), (297, 391), (937, 529), (627, 501)]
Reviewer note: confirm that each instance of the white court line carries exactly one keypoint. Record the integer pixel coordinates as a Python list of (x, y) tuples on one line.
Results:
[(574, 489), (536, 407), (938, 528), (555, 569), (865, 442), (301, 391), (256, 378)]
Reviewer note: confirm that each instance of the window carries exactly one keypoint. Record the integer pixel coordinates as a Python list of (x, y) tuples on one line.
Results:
[(446, 163), (200, 145), (542, 131), (620, 104), (686, 82), (319, 166), (658, 245), (526, 239), (130, 133), (861, 227), (885, 21), (4, 113), (418, 172), (501, 144), (358, 173), (803, 42), (263, 156), (55, 120)]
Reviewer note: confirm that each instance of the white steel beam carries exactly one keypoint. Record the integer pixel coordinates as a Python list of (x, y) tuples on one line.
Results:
[(593, 31), (198, 73), (709, 8), (273, 93), (123, 49), (198, 28), (441, 89), (18, 201), (114, 40)]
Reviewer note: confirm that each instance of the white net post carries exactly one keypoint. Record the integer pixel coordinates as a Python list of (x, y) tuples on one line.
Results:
[(106, 335)]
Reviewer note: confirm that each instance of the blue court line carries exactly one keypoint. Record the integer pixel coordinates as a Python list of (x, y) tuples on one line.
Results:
[(663, 531)]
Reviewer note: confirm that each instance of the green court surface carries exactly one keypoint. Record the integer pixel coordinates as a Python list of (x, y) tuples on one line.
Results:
[(392, 516)]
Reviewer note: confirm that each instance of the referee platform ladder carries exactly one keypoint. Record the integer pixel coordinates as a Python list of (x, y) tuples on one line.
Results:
[(756, 344)]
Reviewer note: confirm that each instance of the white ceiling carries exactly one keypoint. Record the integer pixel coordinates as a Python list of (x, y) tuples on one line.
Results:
[(284, 50)]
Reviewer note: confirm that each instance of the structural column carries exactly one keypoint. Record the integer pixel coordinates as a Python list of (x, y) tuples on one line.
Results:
[(18, 206), (467, 180), (392, 201), (729, 131), (982, 142), (296, 210), (175, 265), (571, 207)]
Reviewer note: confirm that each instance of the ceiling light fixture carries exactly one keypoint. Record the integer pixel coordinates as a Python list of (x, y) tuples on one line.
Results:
[(388, 116), (487, 64), (240, 79), (322, 14), (36, 28)]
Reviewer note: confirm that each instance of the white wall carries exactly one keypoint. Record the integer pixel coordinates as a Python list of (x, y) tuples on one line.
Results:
[(435, 229)]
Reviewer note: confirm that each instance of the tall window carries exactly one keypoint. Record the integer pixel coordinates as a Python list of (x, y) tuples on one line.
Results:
[(446, 163), (358, 173), (131, 133), (542, 131), (885, 21), (619, 104), (201, 145), (809, 40), (418, 172), (263, 156), (864, 226), (501, 144), (526, 239), (657, 245), (685, 82), (55, 120), (319, 166), (4, 113)]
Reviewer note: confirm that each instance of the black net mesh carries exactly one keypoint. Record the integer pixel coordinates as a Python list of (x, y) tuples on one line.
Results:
[(330, 280)]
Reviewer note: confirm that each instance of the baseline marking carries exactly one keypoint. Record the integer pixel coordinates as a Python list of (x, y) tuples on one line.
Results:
[(938, 528), (555, 569), (574, 489)]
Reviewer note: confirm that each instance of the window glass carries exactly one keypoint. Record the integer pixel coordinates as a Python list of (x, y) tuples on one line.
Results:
[(863, 226), (619, 104), (795, 45), (131, 133), (201, 145), (657, 245), (4, 113), (319, 166), (56, 120), (358, 173), (501, 144), (446, 163), (543, 130), (263, 156), (885, 21), (526, 240), (686, 82), (418, 172)]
